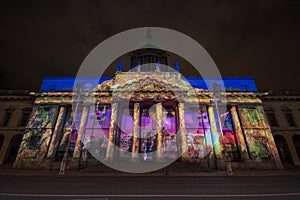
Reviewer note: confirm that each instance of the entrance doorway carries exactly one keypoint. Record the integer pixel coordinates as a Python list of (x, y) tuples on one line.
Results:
[(296, 141), (1, 140), (283, 150), (13, 148)]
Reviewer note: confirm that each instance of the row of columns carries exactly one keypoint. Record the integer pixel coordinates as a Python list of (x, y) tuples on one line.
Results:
[(58, 131), (136, 115), (213, 139), (216, 139), (136, 123)]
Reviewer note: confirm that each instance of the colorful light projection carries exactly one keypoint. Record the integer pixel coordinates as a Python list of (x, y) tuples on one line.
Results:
[(149, 135), (56, 133), (239, 134), (198, 133), (199, 139), (169, 134), (229, 137), (214, 133), (150, 140), (38, 133), (148, 132), (95, 139), (63, 141), (170, 121), (126, 134), (146, 139), (256, 132), (258, 144), (253, 117), (159, 118)]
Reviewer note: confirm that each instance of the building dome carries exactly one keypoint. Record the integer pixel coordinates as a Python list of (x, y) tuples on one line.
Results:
[(149, 58)]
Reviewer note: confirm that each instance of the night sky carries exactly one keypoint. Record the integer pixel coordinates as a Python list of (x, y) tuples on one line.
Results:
[(257, 39)]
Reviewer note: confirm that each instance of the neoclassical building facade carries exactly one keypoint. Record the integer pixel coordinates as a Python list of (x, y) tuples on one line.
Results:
[(150, 113), (153, 111), (283, 111), (15, 110)]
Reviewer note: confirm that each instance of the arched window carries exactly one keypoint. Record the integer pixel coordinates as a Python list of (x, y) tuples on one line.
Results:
[(283, 149), (6, 118), (296, 141), (1, 140), (25, 117), (13, 148)]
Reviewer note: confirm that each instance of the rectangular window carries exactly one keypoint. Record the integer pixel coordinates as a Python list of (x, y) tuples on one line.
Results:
[(290, 119), (6, 118), (24, 119), (272, 119)]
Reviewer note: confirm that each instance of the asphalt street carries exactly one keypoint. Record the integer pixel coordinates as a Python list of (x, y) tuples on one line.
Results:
[(149, 187)]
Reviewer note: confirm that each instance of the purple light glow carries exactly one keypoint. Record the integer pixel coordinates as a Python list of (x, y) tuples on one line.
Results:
[(170, 124)]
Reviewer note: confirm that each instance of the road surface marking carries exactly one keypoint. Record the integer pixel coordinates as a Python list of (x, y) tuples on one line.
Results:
[(151, 195)]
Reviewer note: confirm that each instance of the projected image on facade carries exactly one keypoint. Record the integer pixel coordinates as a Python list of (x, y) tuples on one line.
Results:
[(98, 118), (229, 139), (198, 133), (64, 138), (126, 132), (145, 118), (38, 132), (256, 131)]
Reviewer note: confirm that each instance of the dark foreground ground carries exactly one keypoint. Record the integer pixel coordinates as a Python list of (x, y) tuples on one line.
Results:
[(215, 185)]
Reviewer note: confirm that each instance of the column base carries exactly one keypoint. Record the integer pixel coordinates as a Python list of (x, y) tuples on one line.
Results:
[(221, 164), (158, 156), (185, 156), (279, 165), (32, 164), (74, 164)]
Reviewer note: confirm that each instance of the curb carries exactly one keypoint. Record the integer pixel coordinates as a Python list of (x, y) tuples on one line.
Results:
[(78, 173)]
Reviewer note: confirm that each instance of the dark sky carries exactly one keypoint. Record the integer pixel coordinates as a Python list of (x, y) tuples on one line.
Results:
[(257, 39)]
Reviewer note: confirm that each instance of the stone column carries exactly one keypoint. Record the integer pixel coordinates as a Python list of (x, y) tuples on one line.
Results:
[(135, 134), (81, 132), (269, 135), (159, 130), (208, 140), (239, 134), (112, 128), (273, 148), (214, 133), (57, 133), (182, 131), (178, 144)]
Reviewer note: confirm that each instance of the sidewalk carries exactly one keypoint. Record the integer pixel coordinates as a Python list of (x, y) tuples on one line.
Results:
[(78, 173)]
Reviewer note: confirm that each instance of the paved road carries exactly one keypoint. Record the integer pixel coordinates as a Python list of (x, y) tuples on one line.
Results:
[(149, 187)]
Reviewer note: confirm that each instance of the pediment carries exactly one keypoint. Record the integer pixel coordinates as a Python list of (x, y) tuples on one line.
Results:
[(150, 84), (146, 82)]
